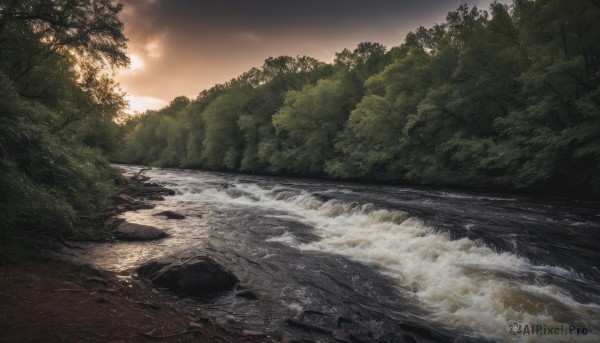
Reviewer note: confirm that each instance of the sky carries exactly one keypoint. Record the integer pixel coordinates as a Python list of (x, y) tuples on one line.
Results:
[(181, 47)]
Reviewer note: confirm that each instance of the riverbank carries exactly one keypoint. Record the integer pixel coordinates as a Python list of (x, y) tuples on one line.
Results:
[(47, 300), (50, 301)]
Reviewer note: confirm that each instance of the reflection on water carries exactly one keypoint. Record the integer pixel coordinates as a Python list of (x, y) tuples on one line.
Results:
[(458, 264)]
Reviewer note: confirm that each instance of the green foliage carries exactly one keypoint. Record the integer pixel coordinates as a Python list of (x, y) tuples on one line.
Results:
[(365, 143), (507, 98), (57, 112), (307, 124), (221, 138), (88, 28), (50, 184)]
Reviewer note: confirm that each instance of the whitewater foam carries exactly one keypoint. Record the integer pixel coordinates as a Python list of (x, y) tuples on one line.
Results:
[(460, 283)]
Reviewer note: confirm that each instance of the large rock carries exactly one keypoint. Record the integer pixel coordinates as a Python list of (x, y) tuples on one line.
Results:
[(138, 232), (170, 215), (189, 275)]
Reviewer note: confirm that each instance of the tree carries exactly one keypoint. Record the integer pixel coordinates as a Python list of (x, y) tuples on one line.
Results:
[(369, 140), (281, 75), (53, 90), (372, 139), (555, 130), (221, 147), (90, 29), (307, 123)]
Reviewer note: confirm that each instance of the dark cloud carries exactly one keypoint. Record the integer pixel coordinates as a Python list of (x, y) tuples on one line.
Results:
[(184, 46)]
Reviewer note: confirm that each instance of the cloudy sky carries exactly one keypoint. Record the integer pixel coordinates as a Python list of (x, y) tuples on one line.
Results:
[(181, 47)]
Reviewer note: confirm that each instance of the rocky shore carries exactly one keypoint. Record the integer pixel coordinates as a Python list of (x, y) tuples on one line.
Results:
[(134, 193), (56, 301)]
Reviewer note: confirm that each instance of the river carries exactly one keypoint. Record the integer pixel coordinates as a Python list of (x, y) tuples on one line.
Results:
[(399, 263)]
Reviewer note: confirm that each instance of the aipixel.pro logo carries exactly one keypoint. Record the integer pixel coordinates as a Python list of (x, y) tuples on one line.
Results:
[(517, 329)]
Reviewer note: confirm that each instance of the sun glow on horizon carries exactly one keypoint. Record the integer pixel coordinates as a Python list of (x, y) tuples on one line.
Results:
[(141, 104)]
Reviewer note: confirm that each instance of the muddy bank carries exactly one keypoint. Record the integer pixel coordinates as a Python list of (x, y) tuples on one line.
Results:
[(60, 302)]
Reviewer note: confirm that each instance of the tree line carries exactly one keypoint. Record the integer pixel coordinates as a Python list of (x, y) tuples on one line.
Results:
[(506, 98), (58, 106)]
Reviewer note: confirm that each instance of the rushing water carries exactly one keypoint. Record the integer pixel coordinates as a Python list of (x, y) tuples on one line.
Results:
[(441, 265)]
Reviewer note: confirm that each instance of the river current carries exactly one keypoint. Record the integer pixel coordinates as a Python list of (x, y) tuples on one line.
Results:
[(439, 265)]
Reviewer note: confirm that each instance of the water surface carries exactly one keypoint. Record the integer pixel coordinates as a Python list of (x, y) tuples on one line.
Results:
[(393, 259)]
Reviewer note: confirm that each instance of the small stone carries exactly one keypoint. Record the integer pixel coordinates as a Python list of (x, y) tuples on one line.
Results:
[(193, 325), (246, 293), (101, 300), (342, 336), (143, 206), (156, 198), (171, 215), (286, 337), (344, 320), (205, 318), (254, 333)]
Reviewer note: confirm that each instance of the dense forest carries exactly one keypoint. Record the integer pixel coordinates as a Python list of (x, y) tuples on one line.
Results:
[(58, 112), (505, 99)]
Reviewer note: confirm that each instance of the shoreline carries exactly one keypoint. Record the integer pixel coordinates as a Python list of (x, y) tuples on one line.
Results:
[(50, 299), (479, 191)]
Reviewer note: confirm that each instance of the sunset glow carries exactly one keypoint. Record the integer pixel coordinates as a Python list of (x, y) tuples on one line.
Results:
[(137, 63), (141, 104)]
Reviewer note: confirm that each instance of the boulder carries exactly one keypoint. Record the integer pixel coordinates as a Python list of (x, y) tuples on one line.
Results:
[(170, 215), (138, 232), (193, 275)]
